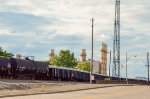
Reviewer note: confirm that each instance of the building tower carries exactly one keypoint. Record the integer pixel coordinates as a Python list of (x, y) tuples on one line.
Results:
[(51, 56), (116, 43), (103, 67), (83, 55)]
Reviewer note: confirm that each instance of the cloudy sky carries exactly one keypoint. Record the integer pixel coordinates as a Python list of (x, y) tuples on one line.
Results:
[(33, 27)]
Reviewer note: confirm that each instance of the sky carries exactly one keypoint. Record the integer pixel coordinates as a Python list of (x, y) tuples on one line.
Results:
[(33, 27)]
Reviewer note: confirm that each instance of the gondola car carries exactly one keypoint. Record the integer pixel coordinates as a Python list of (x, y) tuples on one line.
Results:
[(68, 74)]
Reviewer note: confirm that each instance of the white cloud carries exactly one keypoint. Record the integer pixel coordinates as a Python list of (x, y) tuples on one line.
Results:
[(8, 32), (21, 3)]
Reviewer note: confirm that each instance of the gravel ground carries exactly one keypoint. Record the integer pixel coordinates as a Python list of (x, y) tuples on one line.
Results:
[(31, 84), (25, 87)]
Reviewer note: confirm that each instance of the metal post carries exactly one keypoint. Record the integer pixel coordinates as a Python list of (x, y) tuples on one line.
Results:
[(126, 68), (91, 67), (127, 58), (109, 63), (148, 66)]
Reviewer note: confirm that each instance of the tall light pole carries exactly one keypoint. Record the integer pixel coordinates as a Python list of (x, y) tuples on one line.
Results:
[(127, 58), (91, 67)]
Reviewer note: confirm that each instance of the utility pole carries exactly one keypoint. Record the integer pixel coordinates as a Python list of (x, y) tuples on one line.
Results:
[(91, 67), (148, 66), (126, 68), (116, 43), (109, 62)]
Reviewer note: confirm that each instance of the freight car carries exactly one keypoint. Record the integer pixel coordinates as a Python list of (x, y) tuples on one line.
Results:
[(68, 74), (23, 69), (4, 67)]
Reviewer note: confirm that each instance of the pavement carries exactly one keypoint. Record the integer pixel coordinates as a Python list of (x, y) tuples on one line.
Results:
[(117, 92)]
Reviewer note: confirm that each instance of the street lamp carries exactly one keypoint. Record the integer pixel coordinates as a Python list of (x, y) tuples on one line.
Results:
[(127, 58), (91, 67)]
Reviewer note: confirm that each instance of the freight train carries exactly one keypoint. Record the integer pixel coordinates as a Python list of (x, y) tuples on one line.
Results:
[(14, 68)]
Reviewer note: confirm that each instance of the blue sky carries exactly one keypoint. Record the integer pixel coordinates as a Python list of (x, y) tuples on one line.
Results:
[(33, 27)]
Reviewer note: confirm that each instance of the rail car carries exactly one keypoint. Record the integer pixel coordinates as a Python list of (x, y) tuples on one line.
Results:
[(68, 74), (4, 66), (22, 69), (29, 69)]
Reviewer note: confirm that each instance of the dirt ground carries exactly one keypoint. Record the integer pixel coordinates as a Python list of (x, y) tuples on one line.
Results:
[(21, 87), (25, 87)]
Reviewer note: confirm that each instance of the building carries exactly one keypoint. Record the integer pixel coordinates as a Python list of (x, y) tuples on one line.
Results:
[(103, 67), (96, 66), (83, 55), (51, 56)]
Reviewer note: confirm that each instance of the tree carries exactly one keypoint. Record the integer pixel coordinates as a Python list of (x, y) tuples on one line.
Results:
[(1, 51), (5, 53), (65, 58), (84, 66)]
